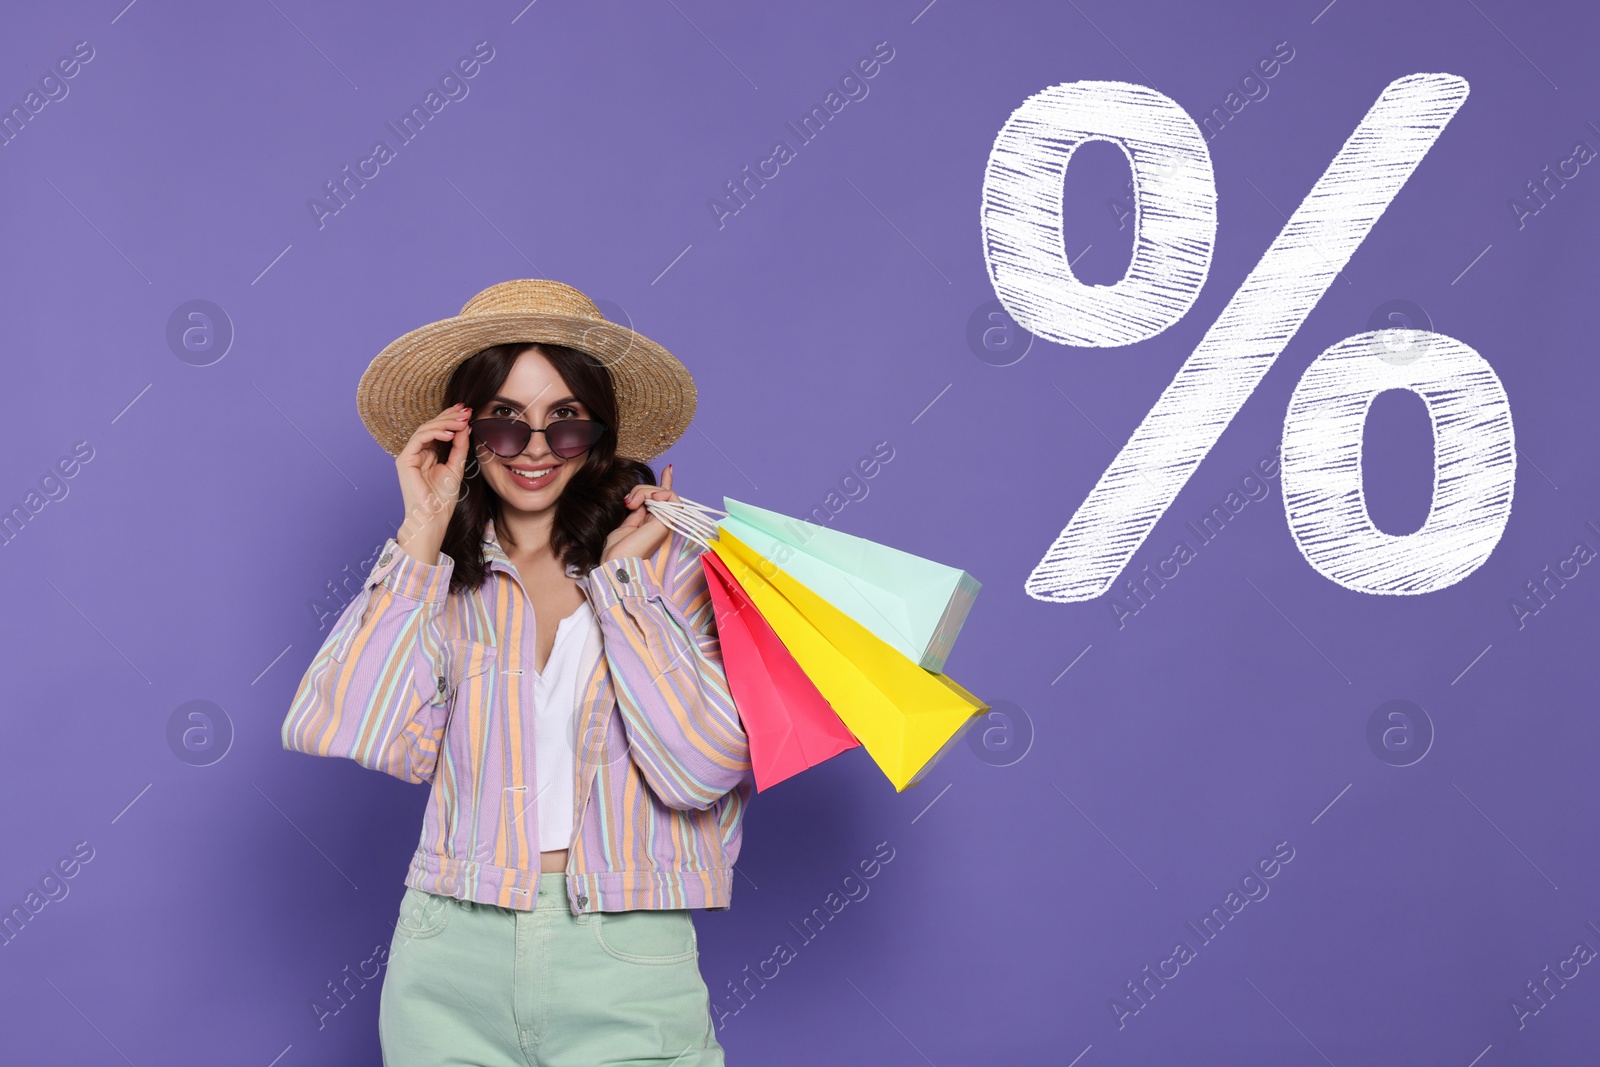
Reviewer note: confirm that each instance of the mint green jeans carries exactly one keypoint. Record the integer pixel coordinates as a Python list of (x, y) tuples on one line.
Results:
[(479, 984)]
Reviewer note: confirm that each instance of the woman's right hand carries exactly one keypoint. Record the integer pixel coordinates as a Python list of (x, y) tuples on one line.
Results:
[(429, 488)]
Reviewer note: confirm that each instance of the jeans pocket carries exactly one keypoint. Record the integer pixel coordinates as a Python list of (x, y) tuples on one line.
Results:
[(652, 936), (423, 914)]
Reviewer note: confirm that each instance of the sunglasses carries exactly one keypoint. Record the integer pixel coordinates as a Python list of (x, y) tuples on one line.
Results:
[(567, 438)]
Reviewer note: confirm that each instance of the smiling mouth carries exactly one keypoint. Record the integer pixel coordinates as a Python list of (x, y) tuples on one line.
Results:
[(532, 477)]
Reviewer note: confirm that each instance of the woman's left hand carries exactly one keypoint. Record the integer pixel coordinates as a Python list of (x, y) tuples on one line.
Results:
[(641, 533)]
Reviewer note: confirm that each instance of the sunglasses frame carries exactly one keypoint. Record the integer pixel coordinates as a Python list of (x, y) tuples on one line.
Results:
[(533, 430)]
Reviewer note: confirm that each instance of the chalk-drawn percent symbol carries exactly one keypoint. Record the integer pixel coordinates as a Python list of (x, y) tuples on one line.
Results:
[(1175, 228)]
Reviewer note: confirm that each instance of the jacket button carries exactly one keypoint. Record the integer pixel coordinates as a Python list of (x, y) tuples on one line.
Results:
[(383, 560), (622, 575), (583, 901), (441, 683)]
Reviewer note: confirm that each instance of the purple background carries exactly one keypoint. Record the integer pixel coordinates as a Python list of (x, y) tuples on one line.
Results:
[(830, 313)]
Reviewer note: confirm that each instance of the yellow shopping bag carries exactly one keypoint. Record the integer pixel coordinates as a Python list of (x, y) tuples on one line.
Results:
[(905, 716)]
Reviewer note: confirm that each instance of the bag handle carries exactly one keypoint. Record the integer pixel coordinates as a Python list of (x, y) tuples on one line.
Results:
[(695, 521)]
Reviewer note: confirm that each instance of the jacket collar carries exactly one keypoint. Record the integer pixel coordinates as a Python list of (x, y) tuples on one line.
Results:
[(492, 552), (495, 556)]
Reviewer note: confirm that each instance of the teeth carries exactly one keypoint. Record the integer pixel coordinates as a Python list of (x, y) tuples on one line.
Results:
[(540, 473)]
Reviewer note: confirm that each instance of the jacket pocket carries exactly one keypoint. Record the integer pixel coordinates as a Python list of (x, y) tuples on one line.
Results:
[(471, 684), (466, 660)]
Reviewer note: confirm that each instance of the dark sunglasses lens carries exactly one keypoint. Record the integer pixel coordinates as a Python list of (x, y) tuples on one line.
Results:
[(573, 437), (503, 437)]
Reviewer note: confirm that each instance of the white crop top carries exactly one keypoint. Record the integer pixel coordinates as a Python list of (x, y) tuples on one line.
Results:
[(556, 694)]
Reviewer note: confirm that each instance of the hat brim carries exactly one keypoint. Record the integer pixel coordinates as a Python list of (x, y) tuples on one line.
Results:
[(403, 386)]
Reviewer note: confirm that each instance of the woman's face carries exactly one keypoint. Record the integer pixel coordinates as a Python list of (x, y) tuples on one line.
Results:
[(536, 394)]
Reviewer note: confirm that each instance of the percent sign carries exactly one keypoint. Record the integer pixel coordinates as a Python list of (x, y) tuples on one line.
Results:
[(1175, 228)]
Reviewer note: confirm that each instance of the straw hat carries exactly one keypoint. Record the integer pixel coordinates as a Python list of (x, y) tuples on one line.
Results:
[(403, 386)]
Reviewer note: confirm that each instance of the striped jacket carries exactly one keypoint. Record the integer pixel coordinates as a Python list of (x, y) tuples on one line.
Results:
[(437, 687)]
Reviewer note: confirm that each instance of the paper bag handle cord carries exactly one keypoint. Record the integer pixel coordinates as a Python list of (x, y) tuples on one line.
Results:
[(691, 519), (685, 502)]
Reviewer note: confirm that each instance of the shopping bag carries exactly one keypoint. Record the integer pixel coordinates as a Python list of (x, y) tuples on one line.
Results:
[(905, 716), (913, 604), (789, 724)]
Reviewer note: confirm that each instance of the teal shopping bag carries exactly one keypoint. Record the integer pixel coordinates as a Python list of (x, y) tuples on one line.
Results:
[(912, 604)]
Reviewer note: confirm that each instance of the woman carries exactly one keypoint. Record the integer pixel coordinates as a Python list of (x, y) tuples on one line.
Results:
[(541, 651)]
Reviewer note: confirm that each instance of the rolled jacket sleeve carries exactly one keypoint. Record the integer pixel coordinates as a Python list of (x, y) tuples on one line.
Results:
[(376, 690), (659, 631)]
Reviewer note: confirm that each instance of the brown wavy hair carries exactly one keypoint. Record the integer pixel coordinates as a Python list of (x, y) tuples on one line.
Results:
[(590, 507)]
